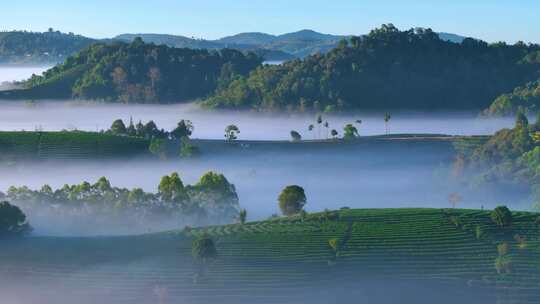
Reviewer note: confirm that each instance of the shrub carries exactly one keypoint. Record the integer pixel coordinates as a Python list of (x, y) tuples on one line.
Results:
[(479, 232), (503, 249), (203, 248), (12, 220), (503, 264), (501, 216), (292, 200)]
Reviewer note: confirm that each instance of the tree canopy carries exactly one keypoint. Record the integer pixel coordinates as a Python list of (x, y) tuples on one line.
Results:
[(387, 69), (12, 220), (292, 200), (139, 72)]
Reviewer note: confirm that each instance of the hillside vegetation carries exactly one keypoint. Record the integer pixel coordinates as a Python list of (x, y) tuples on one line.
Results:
[(387, 69), (21, 47), (69, 145), (456, 252), (138, 72)]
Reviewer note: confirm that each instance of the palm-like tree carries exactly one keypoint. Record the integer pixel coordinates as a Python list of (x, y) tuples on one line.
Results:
[(387, 118)]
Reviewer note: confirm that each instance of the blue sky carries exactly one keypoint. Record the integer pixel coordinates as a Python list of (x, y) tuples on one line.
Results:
[(491, 20)]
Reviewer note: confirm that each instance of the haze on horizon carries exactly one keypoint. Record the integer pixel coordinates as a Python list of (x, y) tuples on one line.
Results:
[(483, 19)]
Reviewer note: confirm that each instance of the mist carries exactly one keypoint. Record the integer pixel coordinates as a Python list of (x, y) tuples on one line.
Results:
[(375, 174), (92, 116), (18, 73)]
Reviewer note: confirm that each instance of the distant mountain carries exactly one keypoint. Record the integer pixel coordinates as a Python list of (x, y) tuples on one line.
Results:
[(248, 39), (172, 40), (451, 37), (21, 47)]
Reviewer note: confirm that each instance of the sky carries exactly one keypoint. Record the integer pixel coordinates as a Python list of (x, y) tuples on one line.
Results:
[(490, 20)]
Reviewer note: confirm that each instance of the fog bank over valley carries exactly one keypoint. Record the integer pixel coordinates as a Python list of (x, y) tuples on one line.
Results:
[(55, 116), (373, 175)]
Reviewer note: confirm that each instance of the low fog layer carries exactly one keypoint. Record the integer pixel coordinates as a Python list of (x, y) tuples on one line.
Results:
[(378, 175), (50, 116), (9, 73)]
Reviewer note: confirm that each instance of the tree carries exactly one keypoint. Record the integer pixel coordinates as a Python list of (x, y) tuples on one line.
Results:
[(231, 132), (242, 216), (187, 150), (183, 129), (12, 221), (295, 136), (350, 132), (334, 133), (203, 249), (502, 216), (387, 118), (171, 189), (118, 127), (158, 147), (292, 200)]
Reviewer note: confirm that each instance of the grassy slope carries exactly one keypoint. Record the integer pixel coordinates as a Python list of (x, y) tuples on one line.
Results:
[(90, 145), (288, 258), (69, 145)]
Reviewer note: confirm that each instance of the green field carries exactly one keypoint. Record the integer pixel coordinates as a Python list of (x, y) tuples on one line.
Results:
[(287, 258), (69, 145)]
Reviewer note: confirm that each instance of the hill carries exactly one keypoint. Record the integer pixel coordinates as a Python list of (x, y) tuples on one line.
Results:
[(138, 72), (74, 145), (21, 47), (387, 69), (416, 255)]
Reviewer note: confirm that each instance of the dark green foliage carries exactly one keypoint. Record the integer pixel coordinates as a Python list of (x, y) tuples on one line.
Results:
[(203, 248), (69, 145), (242, 216), (118, 127), (527, 97), (12, 220), (212, 200), (388, 68), (188, 150), (39, 48), (295, 136), (183, 129), (292, 200), (139, 72), (231, 132), (350, 132), (158, 147), (501, 216)]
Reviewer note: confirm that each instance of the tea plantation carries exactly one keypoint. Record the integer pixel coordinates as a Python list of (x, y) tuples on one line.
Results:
[(379, 256), (69, 145)]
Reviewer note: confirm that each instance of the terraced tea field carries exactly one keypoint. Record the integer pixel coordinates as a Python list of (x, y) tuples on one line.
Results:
[(383, 256), (69, 145)]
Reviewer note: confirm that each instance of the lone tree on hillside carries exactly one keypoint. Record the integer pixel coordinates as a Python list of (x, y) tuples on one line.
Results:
[(350, 132), (231, 132), (118, 127), (334, 133), (203, 250), (183, 129), (12, 221), (387, 118), (242, 216), (292, 200), (501, 216), (295, 136)]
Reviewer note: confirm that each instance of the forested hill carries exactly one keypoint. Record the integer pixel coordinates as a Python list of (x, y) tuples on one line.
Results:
[(387, 69), (138, 72), (21, 47)]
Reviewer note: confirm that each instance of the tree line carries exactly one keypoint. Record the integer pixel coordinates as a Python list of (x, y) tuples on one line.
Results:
[(140, 72), (213, 199), (387, 69)]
